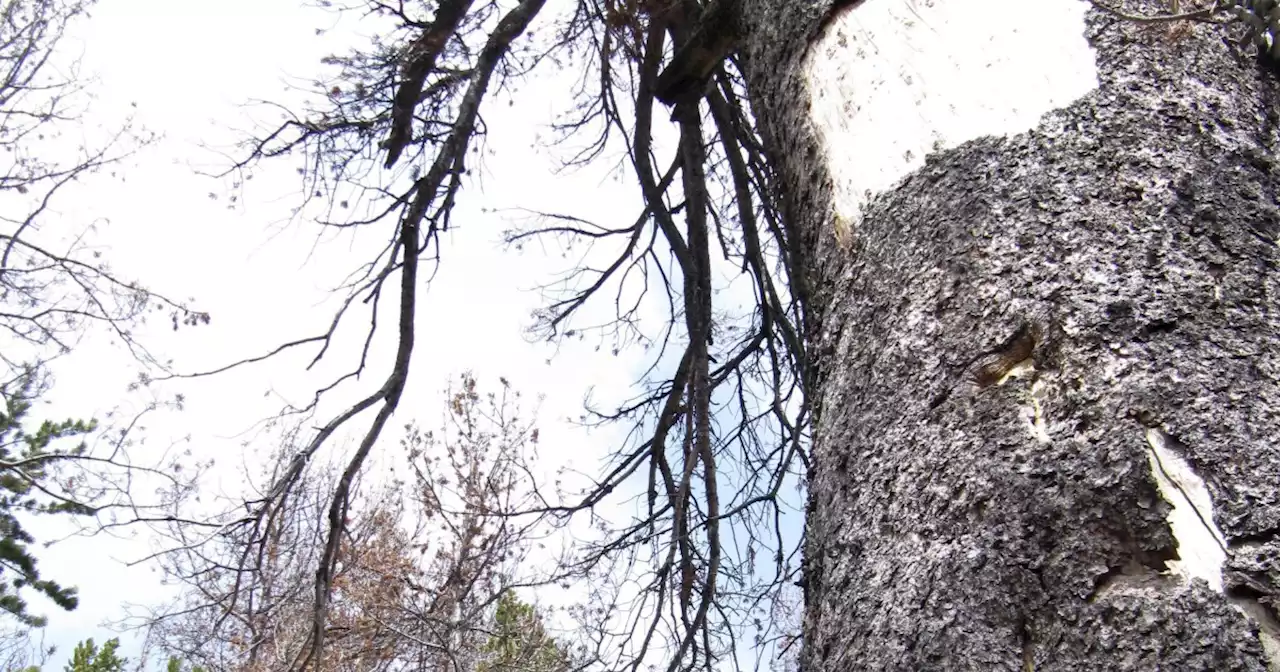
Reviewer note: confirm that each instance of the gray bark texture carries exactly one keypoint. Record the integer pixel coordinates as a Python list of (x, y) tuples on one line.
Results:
[(1137, 229)]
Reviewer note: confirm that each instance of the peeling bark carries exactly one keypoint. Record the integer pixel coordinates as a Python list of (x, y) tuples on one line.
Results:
[(1046, 520)]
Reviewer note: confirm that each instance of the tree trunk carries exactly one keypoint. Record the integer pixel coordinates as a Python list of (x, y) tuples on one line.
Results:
[(1046, 384)]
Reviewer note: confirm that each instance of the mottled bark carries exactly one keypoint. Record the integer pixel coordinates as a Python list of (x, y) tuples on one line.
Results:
[(1019, 526)]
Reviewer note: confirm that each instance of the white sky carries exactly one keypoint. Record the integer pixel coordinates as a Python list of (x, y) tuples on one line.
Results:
[(189, 66), (939, 74)]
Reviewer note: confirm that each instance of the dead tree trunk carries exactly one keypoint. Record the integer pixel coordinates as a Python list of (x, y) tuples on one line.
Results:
[(1045, 363)]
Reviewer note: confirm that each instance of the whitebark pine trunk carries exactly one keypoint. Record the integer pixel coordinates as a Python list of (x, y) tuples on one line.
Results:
[(974, 183)]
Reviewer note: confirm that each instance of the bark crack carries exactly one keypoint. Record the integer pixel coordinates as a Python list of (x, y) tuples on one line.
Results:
[(1202, 547)]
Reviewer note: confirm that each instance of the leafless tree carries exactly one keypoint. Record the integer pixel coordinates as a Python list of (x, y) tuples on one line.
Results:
[(52, 284), (55, 289), (22, 648), (421, 566)]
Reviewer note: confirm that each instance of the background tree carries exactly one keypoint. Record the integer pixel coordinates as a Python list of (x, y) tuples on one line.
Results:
[(87, 657), (55, 289), (175, 665), (520, 642), (29, 462), (22, 648), (424, 571)]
